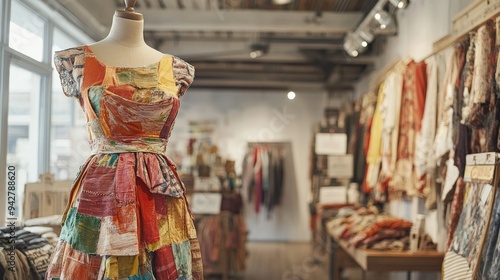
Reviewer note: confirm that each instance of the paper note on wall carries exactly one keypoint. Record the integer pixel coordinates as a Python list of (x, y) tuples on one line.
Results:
[(331, 144)]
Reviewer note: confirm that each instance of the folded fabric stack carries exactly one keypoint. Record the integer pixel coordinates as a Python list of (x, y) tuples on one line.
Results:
[(368, 229), (32, 252)]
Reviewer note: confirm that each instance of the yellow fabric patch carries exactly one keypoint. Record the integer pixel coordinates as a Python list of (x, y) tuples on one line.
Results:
[(172, 227), (118, 267), (166, 81), (111, 268)]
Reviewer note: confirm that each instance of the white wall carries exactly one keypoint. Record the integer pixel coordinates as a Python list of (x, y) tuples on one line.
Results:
[(244, 116)]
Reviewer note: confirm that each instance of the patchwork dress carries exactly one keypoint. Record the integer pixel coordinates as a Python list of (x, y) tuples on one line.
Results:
[(127, 216)]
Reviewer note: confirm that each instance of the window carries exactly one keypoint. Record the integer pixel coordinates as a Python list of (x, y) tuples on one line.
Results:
[(26, 33), (39, 139), (22, 130), (69, 141)]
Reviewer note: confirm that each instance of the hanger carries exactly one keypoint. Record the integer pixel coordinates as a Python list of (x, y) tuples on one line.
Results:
[(129, 11)]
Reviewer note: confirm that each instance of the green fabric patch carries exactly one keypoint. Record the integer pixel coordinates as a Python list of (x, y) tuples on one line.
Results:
[(182, 257), (95, 94), (81, 231)]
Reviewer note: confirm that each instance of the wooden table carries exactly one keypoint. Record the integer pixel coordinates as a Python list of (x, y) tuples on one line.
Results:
[(381, 261)]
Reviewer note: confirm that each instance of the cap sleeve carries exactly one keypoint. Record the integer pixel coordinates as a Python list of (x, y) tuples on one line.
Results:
[(69, 65), (184, 75)]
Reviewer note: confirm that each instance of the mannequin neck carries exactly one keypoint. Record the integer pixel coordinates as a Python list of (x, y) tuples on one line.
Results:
[(126, 32)]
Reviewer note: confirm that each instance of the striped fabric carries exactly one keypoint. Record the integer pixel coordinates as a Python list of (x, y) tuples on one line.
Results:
[(455, 267)]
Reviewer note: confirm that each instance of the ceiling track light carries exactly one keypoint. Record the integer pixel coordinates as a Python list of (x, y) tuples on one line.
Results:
[(356, 42), (400, 4)]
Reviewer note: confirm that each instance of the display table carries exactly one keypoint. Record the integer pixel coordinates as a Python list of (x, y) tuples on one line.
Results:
[(381, 261)]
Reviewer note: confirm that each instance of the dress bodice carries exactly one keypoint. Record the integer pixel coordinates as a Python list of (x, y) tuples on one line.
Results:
[(126, 108)]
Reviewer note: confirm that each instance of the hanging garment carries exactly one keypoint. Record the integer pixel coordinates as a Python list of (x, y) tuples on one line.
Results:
[(424, 162), (393, 88), (374, 147), (127, 216), (477, 107), (410, 122), (443, 142), (258, 179)]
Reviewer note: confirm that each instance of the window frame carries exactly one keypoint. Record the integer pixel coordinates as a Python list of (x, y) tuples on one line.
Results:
[(8, 57)]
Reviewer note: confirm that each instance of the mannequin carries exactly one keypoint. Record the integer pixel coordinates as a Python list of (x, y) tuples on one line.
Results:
[(124, 46)]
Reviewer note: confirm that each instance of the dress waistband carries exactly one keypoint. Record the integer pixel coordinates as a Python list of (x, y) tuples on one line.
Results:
[(111, 145)]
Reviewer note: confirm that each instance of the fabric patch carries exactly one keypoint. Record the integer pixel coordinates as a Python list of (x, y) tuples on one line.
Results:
[(143, 77), (166, 80), (97, 197), (127, 266), (86, 233), (107, 160), (196, 262), (146, 276), (164, 264), (74, 264), (125, 179), (111, 271), (54, 269), (81, 231), (171, 227), (118, 234), (149, 223), (95, 94), (176, 220), (122, 117), (182, 255)]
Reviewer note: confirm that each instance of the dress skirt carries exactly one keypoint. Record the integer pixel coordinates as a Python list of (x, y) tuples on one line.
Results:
[(127, 218)]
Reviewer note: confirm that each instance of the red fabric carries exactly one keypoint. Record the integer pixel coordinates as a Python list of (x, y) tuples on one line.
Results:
[(149, 224), (164, 264)]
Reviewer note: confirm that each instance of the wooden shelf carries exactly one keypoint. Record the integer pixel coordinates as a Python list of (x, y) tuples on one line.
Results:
[(342, 255), (375, 260)]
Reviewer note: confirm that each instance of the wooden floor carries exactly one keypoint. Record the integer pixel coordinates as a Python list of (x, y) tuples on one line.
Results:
[(280, 261), (283, 261), (295, 261)]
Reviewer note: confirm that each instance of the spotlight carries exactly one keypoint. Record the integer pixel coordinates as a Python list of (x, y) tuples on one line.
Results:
[(258, 50), (354, 45), (398, 3), (291, 95), (256, 54), (383, 18)]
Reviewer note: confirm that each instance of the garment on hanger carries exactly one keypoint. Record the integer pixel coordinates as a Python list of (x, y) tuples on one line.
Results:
[(410, 122), (391, 113), (127, 215), (263, 174)]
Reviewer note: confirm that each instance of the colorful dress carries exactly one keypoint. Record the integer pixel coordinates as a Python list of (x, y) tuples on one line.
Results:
[(127, 217)]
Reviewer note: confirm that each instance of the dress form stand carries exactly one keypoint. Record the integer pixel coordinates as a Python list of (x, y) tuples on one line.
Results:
[(125, 46)]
